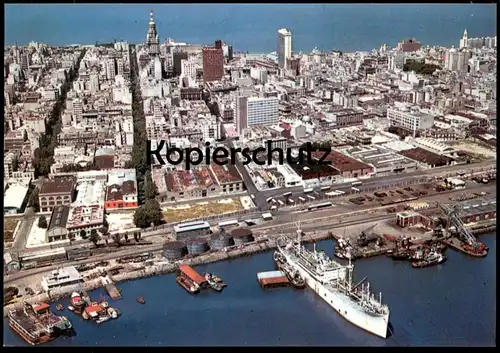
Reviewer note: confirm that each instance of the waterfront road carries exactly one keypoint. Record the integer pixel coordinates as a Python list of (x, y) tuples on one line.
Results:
[(289, 227), (330, 218), (383, 182), (28, 218)]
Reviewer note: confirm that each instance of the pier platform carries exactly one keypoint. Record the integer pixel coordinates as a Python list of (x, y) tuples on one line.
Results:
[(113, 292), (272, 279)]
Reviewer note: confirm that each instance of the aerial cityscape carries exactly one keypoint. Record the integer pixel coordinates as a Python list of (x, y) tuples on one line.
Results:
[(204, 194)]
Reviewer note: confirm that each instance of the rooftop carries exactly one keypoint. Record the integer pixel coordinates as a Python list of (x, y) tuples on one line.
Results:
[(225, 173), (58, 186)]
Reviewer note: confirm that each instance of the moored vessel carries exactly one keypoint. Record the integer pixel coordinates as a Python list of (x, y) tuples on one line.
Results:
[(141, 300), (36, 324), (432, 259), (187, 284), (333, 283), (213, 284)]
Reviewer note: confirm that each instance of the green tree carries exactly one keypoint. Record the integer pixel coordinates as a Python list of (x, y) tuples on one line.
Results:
[(153, 210), (42, 222), (83, 234), (34, 200), (141, 218), (150, 188), (94, 236)]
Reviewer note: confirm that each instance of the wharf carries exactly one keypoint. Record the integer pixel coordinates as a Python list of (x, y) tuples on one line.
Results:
[(272, 279), (113, 292)]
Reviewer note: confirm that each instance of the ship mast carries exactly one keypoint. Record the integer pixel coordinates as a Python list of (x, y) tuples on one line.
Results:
[(299, 235), (349, 276)]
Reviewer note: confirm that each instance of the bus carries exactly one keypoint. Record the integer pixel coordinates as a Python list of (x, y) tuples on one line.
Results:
[(324, 188), (319, 205), (332, 194), (302, 199), (308, 190), (269, 199), (231, 223), (267, 216), (273, 207), (357, 183), (355, 189), (311, 197), (291, 201), (340, 192), (281, 203), (287, 194)]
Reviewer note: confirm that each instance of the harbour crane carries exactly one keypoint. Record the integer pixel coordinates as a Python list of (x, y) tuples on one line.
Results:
[(451, 211), (367, 236)]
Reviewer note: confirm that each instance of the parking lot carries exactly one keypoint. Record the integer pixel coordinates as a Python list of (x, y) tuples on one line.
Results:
[(318, 195)]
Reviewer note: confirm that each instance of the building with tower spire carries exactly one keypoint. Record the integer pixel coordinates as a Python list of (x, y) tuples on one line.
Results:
[(463, 41), (152, 39)]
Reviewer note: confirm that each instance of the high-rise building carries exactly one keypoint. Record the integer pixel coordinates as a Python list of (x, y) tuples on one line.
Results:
[(178, 57), (110, 69), (213, 62), (188, 68), (152, 39), (284, 47), (94, 81), (463, 40), (119, 66), (256, 111)]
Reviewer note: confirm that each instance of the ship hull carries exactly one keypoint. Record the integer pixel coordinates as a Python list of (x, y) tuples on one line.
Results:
[(343, 305)]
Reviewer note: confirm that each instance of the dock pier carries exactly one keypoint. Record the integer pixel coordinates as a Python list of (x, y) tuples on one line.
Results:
[(113, 292)]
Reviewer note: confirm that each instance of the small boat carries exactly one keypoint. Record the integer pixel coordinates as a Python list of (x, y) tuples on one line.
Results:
[(60, 307), (105, 305), (213, 284), (76, 300), (141, 300), (432, 259), (219, 280), (102, 319), (188, 285), (85, 315), (71, 308), (112, 312)]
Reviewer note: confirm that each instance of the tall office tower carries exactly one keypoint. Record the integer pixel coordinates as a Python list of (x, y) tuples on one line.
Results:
[(188, 69), (110, 69), (256, 111), (284, 47), (119, 66), (94, 81), (213, 62), (152, 39), (178, 57)]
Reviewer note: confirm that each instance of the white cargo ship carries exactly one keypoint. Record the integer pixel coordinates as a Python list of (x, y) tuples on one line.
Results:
[(333, 283)]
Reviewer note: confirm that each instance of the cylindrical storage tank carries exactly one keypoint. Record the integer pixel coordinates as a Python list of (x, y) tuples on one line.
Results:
[(242, 236), (220, 241), (197, 246), (174, 250)]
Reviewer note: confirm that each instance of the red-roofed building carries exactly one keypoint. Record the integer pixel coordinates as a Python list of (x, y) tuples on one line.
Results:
[(348, 167)]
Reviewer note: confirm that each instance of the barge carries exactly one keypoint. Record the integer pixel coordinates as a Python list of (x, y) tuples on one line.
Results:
[(36, 324)]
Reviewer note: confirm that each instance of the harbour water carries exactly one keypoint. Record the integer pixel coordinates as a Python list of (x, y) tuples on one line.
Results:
[(453, 304), (250, 27)]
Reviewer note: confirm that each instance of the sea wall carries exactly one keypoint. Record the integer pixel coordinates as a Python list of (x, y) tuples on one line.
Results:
[(162, 268)]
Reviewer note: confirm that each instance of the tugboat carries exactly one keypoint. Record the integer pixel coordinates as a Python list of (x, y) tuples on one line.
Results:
[(103, 318), (113, 313), (77, 302), (141, 300), (71, 308), (432, 259), (218, 280), (188, 285), (213, 284), (399, 255)]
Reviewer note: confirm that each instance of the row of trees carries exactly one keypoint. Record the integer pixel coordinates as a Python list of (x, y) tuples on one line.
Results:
[(149, 211), (420, 67), (44, 155)]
